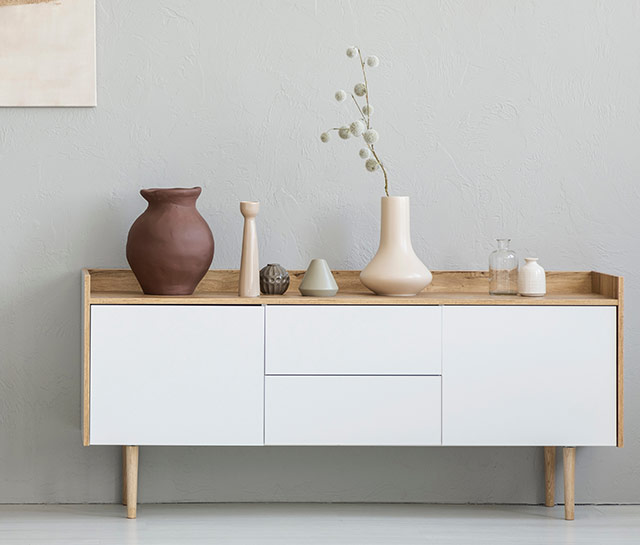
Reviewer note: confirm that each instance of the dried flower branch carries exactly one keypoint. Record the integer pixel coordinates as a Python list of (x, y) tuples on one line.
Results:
[(361, 127)]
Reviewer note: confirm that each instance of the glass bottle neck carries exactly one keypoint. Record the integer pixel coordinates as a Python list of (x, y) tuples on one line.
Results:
[(503, 243)]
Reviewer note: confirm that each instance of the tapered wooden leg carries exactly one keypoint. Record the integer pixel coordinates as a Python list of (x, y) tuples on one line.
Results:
[(124, 475), (131, 457), (549, 476), (569, 456)]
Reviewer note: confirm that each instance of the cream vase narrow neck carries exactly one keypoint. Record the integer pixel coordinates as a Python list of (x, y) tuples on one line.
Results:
[(395, 227)]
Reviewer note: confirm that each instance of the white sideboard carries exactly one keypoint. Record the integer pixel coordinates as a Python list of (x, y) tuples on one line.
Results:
[(451, 367)]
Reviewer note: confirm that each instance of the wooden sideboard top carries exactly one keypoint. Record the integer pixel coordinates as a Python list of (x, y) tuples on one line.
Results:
[(119, 286)]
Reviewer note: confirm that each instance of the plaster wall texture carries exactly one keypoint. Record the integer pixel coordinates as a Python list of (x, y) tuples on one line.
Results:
[(498, 118)]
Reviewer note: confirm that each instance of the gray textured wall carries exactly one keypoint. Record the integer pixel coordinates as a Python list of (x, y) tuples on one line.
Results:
[(497, 118)]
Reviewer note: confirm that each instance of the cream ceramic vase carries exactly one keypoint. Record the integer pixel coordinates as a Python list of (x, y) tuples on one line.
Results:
[(395, 270)]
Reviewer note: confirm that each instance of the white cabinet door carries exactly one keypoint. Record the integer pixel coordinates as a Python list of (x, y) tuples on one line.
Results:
[(529, 375), (353, 340), (353, 410), (177, 375)]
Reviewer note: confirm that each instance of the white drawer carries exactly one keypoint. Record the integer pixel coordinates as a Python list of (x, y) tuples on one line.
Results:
[(353, 410), (353, 340)]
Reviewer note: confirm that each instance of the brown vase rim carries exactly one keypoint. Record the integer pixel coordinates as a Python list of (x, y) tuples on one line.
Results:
[(171, 193), (174, 190)]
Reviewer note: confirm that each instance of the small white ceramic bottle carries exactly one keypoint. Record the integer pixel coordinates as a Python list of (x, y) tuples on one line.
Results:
[(532, 281)]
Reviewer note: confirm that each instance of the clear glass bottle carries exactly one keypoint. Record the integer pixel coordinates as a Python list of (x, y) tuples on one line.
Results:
[(503, 270)]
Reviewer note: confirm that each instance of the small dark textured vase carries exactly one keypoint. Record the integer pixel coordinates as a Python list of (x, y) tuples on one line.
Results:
[(274, 279), (170, 246)]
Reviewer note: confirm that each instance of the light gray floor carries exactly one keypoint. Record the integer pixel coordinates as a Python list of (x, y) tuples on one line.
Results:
[(335, 524)]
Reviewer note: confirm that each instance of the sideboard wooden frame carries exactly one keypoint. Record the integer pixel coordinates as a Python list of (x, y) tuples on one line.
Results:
[(219, 287)]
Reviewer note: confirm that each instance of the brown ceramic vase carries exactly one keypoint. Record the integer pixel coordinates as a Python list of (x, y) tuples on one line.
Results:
[(170, 246)]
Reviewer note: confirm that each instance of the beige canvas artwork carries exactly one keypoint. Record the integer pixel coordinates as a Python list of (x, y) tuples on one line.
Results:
[(47, 53)]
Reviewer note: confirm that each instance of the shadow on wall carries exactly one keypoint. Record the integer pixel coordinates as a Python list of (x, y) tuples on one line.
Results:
[(48, 324)]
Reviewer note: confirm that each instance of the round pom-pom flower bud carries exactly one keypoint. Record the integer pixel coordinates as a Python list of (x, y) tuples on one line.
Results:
[(340, 95), (371, 164), (344, 132), (371, 136), (352, 52), (367, 109), (357, 128), (364, 153), (324, 137), (360, 89), (373, 61)]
